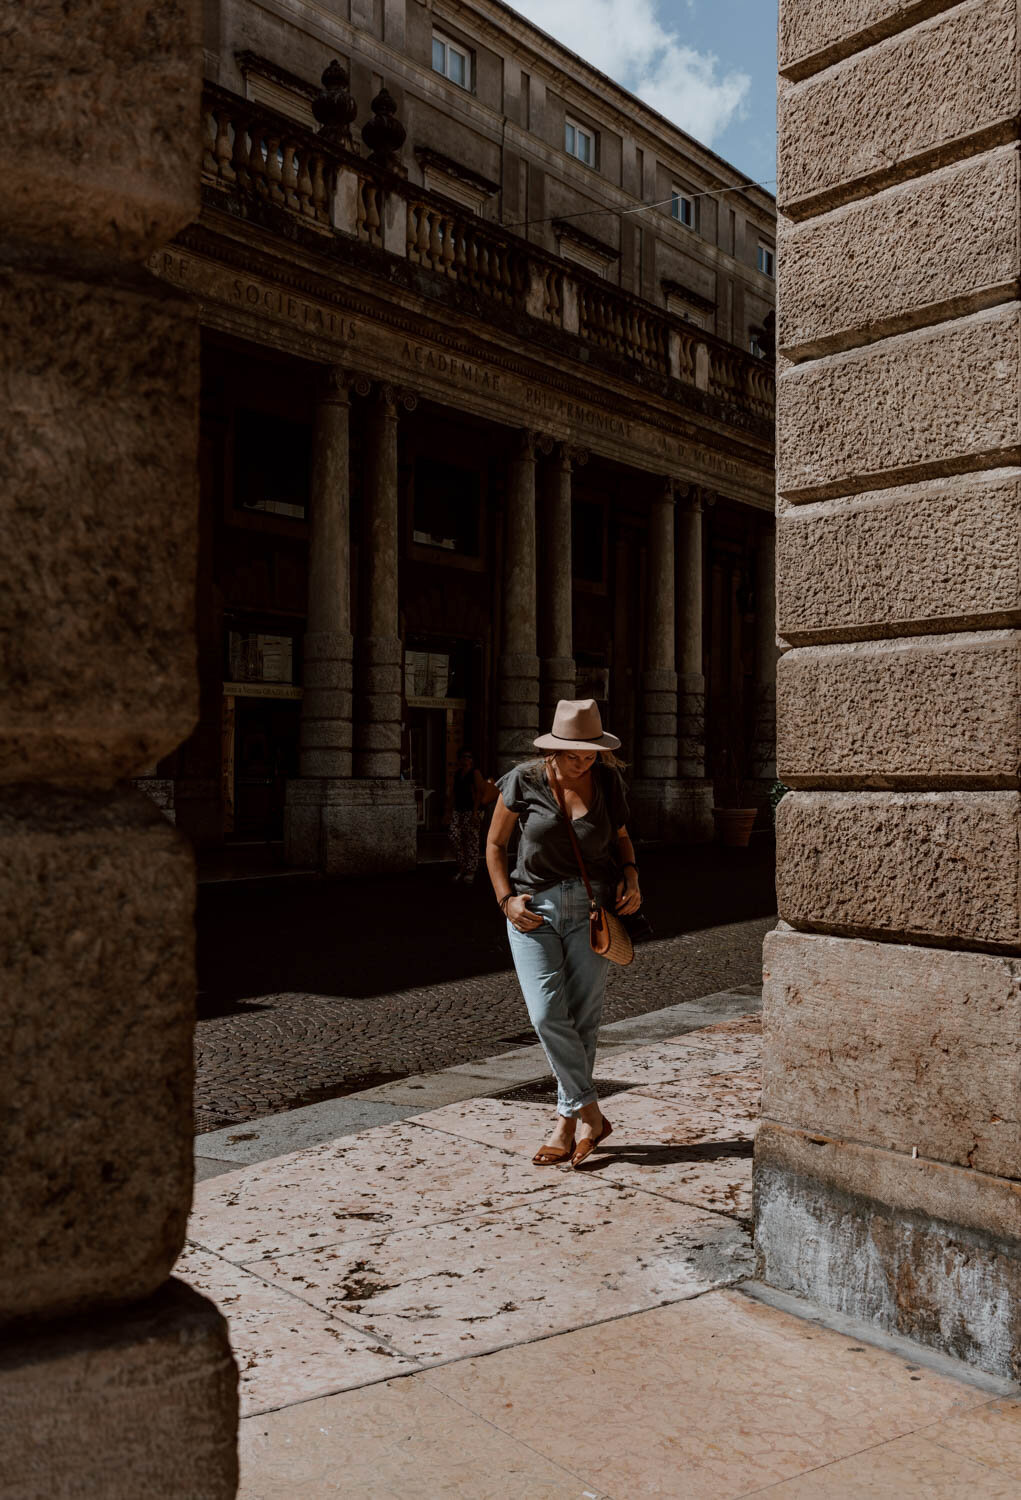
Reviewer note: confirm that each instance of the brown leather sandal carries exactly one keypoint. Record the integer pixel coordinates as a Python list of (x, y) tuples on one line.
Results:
[(585, 1148), (552, 1156)]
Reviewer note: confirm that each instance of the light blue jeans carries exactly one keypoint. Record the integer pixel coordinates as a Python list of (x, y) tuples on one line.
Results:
[(563, 983)]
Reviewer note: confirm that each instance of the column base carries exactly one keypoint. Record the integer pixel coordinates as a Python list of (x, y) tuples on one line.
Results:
[(354, 827), (673, 811), (142, 1401), (915, 1246)]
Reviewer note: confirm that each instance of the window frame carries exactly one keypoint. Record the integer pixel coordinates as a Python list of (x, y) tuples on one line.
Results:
[(680, 195), (570, 123), (448, 44), (766, 260)]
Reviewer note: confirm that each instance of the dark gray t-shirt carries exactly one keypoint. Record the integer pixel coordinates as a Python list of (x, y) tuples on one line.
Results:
[(545, 856)]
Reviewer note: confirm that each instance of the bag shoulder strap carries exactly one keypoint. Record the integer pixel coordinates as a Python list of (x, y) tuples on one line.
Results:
[(551, 777)]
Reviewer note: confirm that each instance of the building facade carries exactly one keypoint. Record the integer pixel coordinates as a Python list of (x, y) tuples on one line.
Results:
[(479, 430)]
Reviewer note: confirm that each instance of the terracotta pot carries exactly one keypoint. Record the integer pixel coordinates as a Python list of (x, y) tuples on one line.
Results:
[(734, 825)]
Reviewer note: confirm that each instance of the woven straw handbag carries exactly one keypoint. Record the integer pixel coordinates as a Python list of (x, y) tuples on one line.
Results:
[(607, 933)]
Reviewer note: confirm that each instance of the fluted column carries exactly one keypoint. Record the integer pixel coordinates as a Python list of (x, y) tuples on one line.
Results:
[(518, 670), (766, 656), (691, 682), (658, 748), (557, 668), (377, 733), (325, 748)]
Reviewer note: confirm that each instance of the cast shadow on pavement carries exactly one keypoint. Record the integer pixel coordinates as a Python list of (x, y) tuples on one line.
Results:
[(360, 938)]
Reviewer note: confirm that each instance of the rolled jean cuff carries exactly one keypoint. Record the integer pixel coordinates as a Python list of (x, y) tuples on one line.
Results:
[(571, 1107)]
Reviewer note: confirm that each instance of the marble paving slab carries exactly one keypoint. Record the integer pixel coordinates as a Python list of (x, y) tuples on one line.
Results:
[(402, 1438), (696, 1150), (709, 1399), (441, 1291), (286, 1351), (733, 1046), (348, 1190), (991, 1434), (907, 1466)]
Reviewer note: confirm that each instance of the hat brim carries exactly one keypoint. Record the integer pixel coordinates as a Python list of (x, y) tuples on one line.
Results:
[(551, 742)]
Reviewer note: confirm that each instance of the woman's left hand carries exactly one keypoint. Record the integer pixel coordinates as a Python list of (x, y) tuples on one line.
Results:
[(629, 897)]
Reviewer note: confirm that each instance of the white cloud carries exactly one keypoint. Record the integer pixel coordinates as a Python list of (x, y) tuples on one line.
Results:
[(627, 40)]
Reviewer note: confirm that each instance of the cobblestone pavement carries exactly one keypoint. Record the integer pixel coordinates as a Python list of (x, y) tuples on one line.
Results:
[(310, 989)]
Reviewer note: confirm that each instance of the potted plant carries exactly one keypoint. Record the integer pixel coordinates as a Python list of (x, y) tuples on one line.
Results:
[(742, 751)]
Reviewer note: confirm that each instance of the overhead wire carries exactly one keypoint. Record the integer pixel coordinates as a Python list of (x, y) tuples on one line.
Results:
[(640, 208)]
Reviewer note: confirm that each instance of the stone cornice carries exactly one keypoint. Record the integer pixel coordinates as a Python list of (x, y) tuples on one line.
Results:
[(214, 241)]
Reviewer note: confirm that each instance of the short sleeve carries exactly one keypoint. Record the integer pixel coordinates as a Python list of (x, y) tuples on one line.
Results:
[(617, 801), (512, 792)]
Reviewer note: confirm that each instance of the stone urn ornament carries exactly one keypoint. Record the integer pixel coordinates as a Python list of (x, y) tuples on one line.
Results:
[(335, 107), (384, 134)]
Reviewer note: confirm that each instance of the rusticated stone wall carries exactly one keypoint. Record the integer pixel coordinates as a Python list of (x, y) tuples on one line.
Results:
[(114, 1380), (888, 1169)]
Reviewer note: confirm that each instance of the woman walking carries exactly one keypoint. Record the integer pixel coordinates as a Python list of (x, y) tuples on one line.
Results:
[(547, 907)]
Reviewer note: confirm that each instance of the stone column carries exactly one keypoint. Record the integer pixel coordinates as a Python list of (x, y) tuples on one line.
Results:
[(887, 1162), (557, 679), (115, 1380), (366, 822), (380, 655), (691, 681), (658, 800), (325, 745), (766, 655), (518, 668)]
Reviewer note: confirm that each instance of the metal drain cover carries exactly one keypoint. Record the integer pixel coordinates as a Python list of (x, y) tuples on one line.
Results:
[(544, 1091)]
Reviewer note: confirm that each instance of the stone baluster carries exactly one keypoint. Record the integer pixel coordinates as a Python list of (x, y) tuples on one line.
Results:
[(518, 670), (557, 675)]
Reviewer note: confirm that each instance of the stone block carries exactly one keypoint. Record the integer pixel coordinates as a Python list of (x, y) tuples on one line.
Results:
[(143, 1403), (102, 156), (921, 866), (895, 1046), (944, 554), (812, 36), (944, 89), (921, 711), (333, 672), (912, 407), (917, 1247), (96, 929), (97, 619), (368, 822), (327, 703), (936, 247), (371, 736)]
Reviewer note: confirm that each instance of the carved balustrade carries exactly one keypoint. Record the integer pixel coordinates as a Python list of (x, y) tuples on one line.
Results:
[(256, 150), (253, 150)]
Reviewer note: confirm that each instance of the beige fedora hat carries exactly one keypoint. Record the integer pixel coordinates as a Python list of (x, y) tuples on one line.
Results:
[(577, 726)]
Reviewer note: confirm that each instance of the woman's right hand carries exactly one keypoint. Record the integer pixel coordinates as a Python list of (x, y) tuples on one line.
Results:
[(520, 917)]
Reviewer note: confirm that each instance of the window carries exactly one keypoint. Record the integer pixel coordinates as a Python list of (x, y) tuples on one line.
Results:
[(445, 513), (767, 261), (453, 61), (271, 464), (683, 309), (682, 207), (580, 143), (255, 656), (755, 346)]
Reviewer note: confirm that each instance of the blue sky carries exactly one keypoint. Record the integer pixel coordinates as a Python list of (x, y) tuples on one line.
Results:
[(709, 65)]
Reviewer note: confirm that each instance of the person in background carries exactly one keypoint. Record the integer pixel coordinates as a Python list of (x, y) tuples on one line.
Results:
[(464, 814)]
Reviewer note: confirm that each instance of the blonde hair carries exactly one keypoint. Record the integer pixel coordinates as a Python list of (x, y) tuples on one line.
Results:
[(534, 766)]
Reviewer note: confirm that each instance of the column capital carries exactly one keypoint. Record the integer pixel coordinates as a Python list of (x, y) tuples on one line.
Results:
[(336, 384), (691, 497), (571, 455), (387, 398), (528, 441), (669, 491)]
